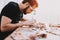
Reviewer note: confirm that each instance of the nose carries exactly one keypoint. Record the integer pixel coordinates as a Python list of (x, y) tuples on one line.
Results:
[(31, 8)]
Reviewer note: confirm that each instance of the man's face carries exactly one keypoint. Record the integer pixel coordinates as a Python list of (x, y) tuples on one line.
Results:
[(28, 9)]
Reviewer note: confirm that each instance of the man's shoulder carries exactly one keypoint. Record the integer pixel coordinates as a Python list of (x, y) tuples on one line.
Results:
[(12, 3), (9, 5)]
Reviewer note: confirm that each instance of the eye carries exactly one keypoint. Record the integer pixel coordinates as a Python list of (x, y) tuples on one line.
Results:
[(27, 4)]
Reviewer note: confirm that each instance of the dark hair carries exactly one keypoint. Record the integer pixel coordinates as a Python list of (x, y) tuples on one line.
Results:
[(24, 11), (31, 2), (24, 1)]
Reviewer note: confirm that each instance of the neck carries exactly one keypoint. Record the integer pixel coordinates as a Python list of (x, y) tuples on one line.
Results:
[(20, 7)]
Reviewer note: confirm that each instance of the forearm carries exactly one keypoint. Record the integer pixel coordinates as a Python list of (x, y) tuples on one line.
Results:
[(9, 27), (12, 25)]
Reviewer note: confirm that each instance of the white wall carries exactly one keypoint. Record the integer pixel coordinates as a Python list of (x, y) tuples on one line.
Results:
[(48, 10), (4, 2)]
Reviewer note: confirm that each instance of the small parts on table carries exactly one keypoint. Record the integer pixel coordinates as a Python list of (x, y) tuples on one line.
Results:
[(54, 25), (32, 37), (42, 35)]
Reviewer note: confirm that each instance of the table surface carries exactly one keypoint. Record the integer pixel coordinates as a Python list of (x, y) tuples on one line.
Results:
[(23, 33)]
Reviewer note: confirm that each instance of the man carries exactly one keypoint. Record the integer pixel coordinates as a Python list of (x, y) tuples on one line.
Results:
[(12, 13)]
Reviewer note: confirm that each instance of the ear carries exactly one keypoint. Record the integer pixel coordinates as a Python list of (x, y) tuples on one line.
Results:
[(27, 4)]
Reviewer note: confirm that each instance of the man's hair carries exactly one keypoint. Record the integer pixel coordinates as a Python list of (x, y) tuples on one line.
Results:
[(24, 1), (31, 2)]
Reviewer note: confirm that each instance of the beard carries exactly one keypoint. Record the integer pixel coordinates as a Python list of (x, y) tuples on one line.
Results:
[(24, 11)]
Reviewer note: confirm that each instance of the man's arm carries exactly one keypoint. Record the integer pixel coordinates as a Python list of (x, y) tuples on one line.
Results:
[(6, 24)]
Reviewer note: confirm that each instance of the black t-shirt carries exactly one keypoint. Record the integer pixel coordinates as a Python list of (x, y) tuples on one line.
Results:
[(12, 11)]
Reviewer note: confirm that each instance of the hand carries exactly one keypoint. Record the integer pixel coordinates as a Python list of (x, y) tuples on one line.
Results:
[(30, 22)]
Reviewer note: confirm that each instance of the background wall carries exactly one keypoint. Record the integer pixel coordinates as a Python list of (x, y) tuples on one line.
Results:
[(47, 12)]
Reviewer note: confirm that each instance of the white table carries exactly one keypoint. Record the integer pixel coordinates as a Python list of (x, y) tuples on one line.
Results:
[(23, 33)]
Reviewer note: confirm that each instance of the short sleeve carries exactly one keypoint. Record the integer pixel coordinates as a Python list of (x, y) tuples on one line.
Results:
[(12, 11)]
